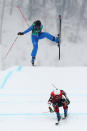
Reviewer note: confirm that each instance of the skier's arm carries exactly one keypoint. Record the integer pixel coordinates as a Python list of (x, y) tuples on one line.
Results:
[(28, 30), (64, 93), (50, 100), (49, 106), (67, 99)]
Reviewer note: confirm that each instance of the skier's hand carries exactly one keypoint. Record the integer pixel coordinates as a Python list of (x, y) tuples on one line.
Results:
[(20, 33), (67, 101), (51, 110)]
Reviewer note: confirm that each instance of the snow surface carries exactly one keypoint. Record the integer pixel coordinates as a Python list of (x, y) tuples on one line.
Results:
[(24, 92)]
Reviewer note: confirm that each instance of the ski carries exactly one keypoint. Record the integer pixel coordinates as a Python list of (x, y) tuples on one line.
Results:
[(62, 118), (59, 35)]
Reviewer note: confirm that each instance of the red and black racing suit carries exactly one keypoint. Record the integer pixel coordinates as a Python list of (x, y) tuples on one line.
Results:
[(58, 101)]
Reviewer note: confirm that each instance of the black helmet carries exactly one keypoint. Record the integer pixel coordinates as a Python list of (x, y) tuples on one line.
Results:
[(37, 23)]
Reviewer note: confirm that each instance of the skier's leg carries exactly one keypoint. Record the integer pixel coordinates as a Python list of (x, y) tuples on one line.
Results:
[(48, 36), (56, 109), (65, 107), (35, 48)]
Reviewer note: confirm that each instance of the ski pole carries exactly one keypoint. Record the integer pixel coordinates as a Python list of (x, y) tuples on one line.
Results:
[(54, 86), (59, 35), (22, 15), (11, 46), (59, 47)]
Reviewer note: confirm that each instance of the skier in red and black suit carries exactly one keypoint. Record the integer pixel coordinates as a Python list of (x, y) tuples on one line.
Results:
[(58, 99)]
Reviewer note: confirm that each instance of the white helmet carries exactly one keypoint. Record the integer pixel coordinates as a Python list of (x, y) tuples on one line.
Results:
[(57, 91)]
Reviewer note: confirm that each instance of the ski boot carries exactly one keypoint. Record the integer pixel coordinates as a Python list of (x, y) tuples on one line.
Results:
[(33, 59), (56, 39)]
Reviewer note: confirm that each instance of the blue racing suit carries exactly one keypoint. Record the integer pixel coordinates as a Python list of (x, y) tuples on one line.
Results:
[(36, 38)]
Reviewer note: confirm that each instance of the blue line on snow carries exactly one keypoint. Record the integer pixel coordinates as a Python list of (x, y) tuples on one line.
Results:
[(37, 95), (19, 68), (6, 79), (39, 114), (8, 76)]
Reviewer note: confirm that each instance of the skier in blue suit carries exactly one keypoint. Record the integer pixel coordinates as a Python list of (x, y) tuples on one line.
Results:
[(37, 34)]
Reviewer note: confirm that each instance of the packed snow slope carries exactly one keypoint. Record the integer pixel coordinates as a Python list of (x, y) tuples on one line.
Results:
[(24, 92)]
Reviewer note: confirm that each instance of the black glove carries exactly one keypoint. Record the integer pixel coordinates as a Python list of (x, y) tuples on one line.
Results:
[(20, 33), (51, 110), (67, 101)]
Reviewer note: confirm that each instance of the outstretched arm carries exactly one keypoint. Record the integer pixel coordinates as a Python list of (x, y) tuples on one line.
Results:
[(49, 105), (28, 30)]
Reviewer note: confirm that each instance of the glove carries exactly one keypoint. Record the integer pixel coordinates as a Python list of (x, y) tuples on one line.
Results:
[(51, 110), (20, 33), (67, 101)]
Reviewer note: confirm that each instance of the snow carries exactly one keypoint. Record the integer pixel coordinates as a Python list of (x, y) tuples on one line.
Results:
[(24, 96)]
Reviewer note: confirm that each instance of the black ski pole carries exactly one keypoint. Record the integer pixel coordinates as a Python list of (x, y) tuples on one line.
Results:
[(59, 35)]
